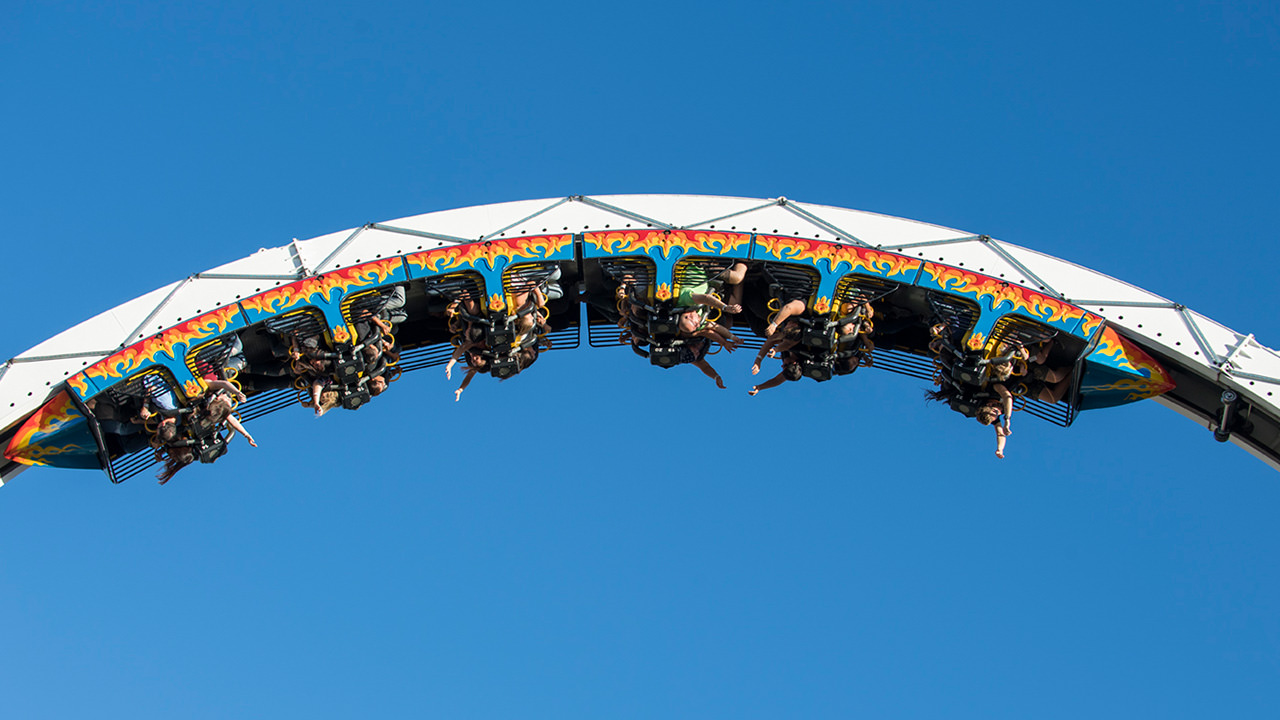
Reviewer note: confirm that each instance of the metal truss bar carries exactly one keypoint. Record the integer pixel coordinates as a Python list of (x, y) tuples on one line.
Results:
[(931, 243), (731, 215), (797, 210), (548, 208), (422, 234), (619, 211), (1126, 303), (64, 356), (1026, 271), (147, 320), (238, 276), (341, 246), (1201, 340)]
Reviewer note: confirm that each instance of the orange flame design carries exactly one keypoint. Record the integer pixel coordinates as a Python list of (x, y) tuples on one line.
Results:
[(822, 305), (1156, 373), (275, 301), (445, 259), (976, 341), (857, 258), (370, 273), (1034, 303), (125, 362), (36, 454), (192, 388), (1139, 389), (1128, 356), (340, 333), (50, 418), (1109, 346), (132, 358), (541, 247), (1089, 324), (497, 303), (285, 297), (663, 292), (78, 383), (631, 242)]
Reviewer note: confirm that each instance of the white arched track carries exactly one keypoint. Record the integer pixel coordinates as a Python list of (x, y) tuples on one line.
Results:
[(1204, 356)]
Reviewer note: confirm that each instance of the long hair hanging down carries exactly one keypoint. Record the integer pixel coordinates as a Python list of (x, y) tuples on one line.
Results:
[(945, 393), (174, 460)]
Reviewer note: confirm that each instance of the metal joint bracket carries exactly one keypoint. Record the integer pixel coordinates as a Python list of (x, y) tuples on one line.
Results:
[(295, 254), (1226, 364)]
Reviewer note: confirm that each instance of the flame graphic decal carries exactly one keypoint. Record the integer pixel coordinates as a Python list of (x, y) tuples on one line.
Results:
[(1110, 347), (285, 297), (444, 259), (447, 258), (1138, 389), (534, 247), (134, 357), (1119, 352), (496, 303), (56, 414), (635, 242), (77, 382), (663, 292), (36, 454), (1089, 324), (59, 411), (867, 260), (1038, 305), (822, 305)]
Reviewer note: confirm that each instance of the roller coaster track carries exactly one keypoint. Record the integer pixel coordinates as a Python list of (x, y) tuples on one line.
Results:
[(1222, 379)]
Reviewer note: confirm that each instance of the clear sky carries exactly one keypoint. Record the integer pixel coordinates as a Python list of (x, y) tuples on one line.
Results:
[(599, 538)]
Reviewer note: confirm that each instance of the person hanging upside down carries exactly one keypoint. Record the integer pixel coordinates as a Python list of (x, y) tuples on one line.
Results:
[(998, 411)]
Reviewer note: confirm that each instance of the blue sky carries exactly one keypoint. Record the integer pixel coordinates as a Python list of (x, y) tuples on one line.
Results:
[(547, 547)]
